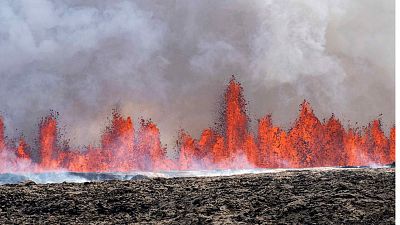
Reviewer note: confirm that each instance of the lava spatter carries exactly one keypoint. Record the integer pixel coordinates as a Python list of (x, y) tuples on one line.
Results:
[(308, 143)]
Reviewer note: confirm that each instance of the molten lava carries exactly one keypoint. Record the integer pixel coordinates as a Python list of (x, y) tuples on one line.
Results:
[(22, 149), (235, 119), (2, 136), (117, 144), (309, 143), (49, 151)]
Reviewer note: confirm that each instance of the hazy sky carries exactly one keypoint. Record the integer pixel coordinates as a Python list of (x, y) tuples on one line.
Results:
[(170, 61)]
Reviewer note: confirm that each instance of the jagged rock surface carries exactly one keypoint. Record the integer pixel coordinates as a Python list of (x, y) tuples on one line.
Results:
[(347, 196)]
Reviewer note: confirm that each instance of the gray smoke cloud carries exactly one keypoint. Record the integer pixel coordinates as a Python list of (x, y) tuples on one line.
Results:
[(170, 61)]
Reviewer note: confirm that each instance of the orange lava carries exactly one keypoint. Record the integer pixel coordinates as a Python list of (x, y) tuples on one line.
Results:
[(2, 136), (48, 144), (22, 149), (308, 143)]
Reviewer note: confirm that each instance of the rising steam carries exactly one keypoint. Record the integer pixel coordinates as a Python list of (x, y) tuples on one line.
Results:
[(169, 60)]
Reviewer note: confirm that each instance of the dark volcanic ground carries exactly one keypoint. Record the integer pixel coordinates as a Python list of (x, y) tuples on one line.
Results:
[(302, 197)]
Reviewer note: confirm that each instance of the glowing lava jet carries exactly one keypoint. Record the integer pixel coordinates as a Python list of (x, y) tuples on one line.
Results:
[(309, 143)]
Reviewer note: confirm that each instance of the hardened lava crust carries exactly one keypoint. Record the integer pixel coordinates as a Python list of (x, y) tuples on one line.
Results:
[(338, 196)]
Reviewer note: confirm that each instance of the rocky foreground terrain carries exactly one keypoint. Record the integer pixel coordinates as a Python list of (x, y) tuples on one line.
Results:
[(347, 196)]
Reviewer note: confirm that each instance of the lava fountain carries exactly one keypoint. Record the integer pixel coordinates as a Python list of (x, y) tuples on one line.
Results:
[(308, 143)]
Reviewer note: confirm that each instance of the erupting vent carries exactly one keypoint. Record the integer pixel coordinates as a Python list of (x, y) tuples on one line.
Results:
[(309, 143)]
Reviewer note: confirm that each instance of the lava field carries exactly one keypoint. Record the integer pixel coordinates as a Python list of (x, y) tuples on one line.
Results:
[(335, 196)]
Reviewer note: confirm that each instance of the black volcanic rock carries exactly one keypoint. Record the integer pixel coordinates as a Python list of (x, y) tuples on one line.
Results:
[(28, 183), (338, 196)]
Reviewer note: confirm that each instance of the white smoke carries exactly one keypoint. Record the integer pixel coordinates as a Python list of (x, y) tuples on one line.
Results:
[(10, 163), (170, 61), (62, 176)]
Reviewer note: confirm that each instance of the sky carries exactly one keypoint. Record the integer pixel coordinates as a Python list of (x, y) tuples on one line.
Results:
[(171, 60)]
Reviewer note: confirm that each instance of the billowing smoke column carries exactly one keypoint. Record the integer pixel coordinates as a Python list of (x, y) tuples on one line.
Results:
[(309, 143)]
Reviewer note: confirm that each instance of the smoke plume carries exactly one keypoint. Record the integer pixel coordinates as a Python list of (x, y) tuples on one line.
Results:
[(170, 61)]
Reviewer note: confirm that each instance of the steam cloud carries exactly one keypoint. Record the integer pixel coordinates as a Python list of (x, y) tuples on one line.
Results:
[(170, 60)]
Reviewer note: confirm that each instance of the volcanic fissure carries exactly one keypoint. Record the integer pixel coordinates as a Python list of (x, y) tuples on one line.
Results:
[(123, 148)]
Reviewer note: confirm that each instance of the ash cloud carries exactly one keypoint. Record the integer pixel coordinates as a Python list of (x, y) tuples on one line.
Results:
[(170, 61)]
